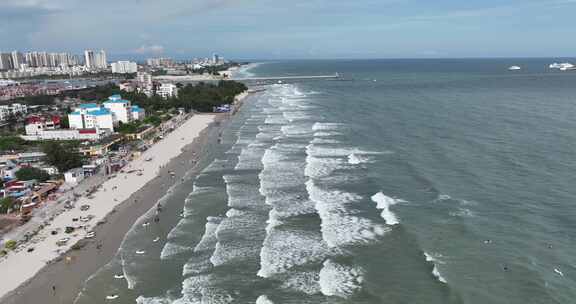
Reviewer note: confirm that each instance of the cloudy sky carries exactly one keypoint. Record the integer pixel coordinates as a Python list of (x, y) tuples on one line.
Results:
[(257, 29)]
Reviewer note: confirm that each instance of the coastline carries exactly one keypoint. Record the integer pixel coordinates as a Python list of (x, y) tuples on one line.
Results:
[(70, 274)]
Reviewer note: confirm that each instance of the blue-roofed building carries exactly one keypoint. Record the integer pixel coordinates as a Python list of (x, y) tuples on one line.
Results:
[(121, 109), (88, 106), (138, 113), (91, 116)]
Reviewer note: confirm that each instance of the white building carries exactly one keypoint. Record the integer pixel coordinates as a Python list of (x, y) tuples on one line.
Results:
[(89, 60), (95, 61), (69, 134), (14, 109), (167, 90), (144, 83), (124, 67), (36, 124), (91, 116), (144, 79), (74, 176), (127, 86), (102, 60), (121, 109)]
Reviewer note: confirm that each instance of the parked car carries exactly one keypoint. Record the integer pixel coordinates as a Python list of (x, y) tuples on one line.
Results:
[(62, 242), (87, 218)]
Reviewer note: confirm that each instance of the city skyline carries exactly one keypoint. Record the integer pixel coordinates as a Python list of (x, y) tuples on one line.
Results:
[(257, 29)]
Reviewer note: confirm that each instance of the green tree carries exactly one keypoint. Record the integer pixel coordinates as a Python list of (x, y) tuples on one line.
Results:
[(64, 122), (29, 173), (5, 204), (63, 156), (8, 143)]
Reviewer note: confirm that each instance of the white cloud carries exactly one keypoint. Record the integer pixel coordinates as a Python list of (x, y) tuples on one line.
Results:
[(155, 49)]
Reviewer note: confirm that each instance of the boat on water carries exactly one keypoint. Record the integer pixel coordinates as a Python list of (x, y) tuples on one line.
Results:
[(112, 297), (119, 276), (514, 68), (562, 66)]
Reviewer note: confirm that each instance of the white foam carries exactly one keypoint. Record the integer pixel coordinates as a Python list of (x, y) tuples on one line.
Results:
[(232, 212), (443, 197), (318, 167), (328, 126), (356, 159), (263, 299), (249, 158), (130, 280), (209, 239), (232, 252), (240, 194), (319, 140), (384, 203), (462, 212), (301, 281), (340, 280), (197, 264), (153, 300), (327, 133), (285, 249), (435, 272), (340, 227), (172, 249)]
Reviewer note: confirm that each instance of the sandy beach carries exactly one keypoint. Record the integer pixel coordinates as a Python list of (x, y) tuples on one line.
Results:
[(117, 204)]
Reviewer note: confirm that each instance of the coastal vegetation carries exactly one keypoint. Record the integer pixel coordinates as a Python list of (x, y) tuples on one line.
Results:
[(32, 173), (200, 97), (62, 155), (154, 119), (12, 143)]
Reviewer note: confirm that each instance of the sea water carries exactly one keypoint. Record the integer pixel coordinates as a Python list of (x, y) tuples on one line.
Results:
[(405, 181)]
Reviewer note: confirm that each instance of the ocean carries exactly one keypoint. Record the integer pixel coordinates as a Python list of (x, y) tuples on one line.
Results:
[(405, 181)]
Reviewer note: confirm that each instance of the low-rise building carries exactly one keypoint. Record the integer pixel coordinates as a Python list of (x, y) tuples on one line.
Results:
[(19, 158), (74, 176), (138, 113), (17, 189), (127, 87), (13, 109), (167, 90), (36, 124), (69, 134)]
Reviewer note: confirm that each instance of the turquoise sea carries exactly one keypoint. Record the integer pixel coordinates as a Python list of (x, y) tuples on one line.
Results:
[(406, 181)]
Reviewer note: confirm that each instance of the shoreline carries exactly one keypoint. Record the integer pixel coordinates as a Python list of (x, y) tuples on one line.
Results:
[(71, 274)]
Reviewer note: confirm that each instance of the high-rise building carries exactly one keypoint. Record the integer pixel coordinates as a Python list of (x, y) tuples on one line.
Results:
[(95, 60), (89, 59), (43, 59), (102, 60), (215, 59), (124, 67), (17, 59), (6, 61)]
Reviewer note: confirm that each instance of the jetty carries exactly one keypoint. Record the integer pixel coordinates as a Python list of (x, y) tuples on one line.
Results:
[(282, 78)]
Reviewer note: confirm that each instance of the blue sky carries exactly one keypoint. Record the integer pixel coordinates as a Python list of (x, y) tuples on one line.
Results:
[(260, 29)]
